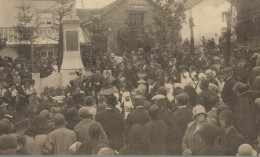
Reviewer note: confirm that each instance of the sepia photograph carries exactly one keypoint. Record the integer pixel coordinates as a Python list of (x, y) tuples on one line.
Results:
[(130, 77)]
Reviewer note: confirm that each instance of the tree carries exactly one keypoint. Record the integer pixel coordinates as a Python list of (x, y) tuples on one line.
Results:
[(167, 25), (97, 30), (133, 35), (61, 11), (26, 28), (248, 20), (3, 43)]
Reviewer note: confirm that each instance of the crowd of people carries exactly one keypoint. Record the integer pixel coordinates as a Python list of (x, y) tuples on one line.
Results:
[(136, 104)]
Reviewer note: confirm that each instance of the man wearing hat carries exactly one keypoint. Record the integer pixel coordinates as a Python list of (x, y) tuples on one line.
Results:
[(227, 95), (36, 136), (157, 132), (209, 134), (139, 115), (153, 85), (96, 82), (112, 122), (246, 150), (131, 76), (59, 141), (180, 120), (231, 140), (244, 113), (82, 128), (8, 144)]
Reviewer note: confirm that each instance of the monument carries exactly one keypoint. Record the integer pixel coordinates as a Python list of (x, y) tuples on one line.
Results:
[(71, 55)]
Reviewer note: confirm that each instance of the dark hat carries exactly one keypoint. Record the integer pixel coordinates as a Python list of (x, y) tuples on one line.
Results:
[(59, 119), (138, 100), (222, 108), (94, 130), (153, 110), (227, 70), (204, 82), (182, 99), (240, 87), (90, 101), (111, 100), (153, 76), (71, 113), (39, 120), (69, 101), (21, 138), (227, 115), (11, 125), (45, 113), (4, 128), (163, 91), (8, 141), (209, 132), (85, 113)]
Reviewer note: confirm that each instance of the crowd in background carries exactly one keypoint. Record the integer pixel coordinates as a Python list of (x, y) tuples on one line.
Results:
[(178, 108)]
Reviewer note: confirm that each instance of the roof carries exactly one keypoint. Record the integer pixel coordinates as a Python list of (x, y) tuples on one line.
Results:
[(85, 13), (188, 4), (110, 7), (92, 4)]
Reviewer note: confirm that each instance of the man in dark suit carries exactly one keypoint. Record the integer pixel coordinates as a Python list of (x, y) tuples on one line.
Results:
[(180, 120), (139, 115), (157, 133), (153, 85), (227, 95), (206, 94), (112, 122)]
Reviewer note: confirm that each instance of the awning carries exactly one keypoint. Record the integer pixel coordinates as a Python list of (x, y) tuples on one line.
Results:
[(45, 35), (8, 52)]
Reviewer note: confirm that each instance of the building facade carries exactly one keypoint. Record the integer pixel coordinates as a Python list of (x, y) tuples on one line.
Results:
[(210, 19), (122, 16)]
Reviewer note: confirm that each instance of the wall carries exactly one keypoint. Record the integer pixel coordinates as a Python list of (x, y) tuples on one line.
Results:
[(117, 16), (207, 17)]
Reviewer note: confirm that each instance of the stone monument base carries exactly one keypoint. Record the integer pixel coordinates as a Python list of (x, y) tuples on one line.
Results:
[(67, 76)]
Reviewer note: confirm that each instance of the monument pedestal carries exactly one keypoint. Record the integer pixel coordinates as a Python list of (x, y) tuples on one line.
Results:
[(72, 60)]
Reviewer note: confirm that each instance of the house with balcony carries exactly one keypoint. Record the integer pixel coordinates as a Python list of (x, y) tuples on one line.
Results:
[(44, 17)]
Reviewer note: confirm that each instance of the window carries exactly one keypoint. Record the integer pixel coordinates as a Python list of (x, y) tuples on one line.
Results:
[(44, 54), (224, 17), (45, 19), (136, 19), (138, 3), (50, 54), (47, 53)]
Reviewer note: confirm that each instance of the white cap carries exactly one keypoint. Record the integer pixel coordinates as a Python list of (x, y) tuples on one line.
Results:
[(198, 109)]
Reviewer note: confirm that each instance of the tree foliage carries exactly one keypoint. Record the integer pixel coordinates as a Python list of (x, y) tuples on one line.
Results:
[(248, 20), (25, 26), (97, 29), (133, 36), (167, 25)]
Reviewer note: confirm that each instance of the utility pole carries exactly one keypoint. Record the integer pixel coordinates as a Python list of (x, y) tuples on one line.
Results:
[(191, 36), (32, 50), (228, 36)]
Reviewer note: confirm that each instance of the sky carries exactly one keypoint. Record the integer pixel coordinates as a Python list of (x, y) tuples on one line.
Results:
[(93, 4)]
